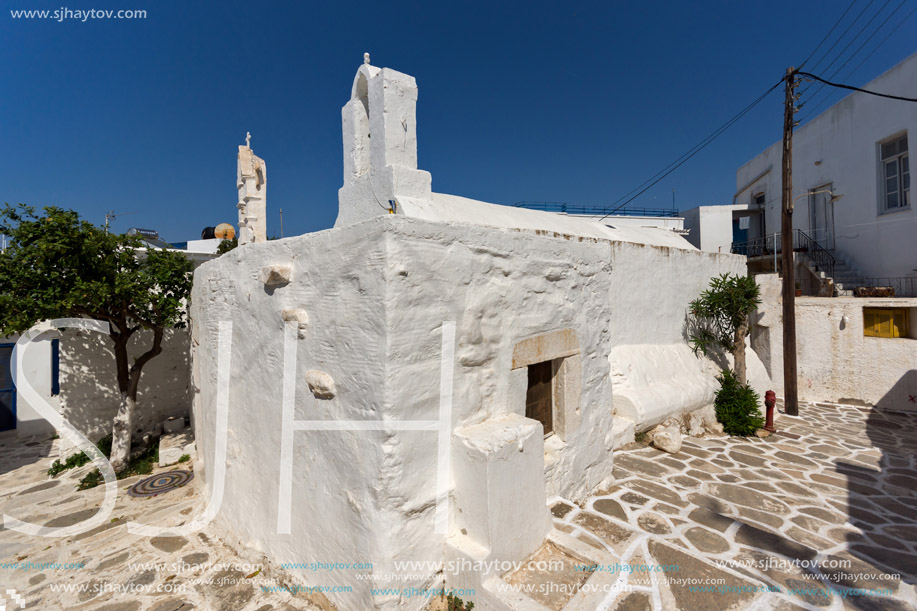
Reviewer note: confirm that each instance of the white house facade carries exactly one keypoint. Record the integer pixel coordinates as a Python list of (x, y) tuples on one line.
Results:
[(854, 160)]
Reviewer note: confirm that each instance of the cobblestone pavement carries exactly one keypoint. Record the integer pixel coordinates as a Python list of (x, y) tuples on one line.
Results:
[(762, 523), (735, 516), (112, 570)]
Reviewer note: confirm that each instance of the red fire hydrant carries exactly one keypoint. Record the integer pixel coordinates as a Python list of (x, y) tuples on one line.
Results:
[(770, 398)]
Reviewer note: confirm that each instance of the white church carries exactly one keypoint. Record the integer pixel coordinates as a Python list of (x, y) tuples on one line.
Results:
[(423, 380)]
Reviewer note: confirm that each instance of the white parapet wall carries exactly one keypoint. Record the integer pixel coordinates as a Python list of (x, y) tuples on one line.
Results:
[(836, 361), (655, 373)]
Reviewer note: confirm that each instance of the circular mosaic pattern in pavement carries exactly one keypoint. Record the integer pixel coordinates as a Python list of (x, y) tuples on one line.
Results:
[(160, 483)]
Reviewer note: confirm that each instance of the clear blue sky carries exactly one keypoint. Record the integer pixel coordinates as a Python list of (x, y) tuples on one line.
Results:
[(566, 101)]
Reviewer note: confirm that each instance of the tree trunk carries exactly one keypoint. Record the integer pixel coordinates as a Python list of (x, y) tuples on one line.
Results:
[(123, 423), (128, 383), (121, 432), (739, 351)]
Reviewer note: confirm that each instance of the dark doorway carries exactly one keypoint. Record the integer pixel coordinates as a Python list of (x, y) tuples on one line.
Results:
[(7, 389), (539, 398)]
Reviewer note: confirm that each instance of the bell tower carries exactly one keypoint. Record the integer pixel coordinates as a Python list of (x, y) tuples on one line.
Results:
[(380, 145)]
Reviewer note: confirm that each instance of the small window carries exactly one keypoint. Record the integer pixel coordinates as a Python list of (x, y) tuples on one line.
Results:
[(895, 174), (539, 398), (885, 322), (759, 200)]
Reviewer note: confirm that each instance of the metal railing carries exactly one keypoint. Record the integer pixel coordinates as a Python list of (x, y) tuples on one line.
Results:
[(802, 243), (905, 286), (596, 210)]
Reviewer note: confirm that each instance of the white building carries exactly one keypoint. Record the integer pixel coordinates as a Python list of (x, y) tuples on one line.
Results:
[(419, 381), (74, 372), (857, 149)]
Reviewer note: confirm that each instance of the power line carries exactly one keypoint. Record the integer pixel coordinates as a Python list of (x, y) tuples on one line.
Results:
[(834, 27), (877, 47), (841, 37), (815, 108), (658, 176), (860, 48), (858, 34), (852, 88)]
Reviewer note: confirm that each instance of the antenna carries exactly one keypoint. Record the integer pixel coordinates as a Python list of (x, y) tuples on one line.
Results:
[(111, 215)]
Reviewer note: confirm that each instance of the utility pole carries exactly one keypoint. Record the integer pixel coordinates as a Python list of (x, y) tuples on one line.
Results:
[(790, 390), (281, 222)]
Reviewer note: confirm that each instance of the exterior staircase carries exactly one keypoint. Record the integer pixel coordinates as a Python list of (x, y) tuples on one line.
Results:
[(836, 277), (845, 277)]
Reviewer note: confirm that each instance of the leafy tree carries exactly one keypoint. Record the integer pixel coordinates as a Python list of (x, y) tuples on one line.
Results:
[(719, 317), (226, 245), (58, 266)]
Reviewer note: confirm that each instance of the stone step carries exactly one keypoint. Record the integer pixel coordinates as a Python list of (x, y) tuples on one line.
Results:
[(622, 431), (172, 446)]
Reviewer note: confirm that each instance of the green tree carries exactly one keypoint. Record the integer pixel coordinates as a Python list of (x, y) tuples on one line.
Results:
[(226, 245), (719, 317), (58, 266)]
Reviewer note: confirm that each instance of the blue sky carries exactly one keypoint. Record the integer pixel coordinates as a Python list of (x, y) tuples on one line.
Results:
[(569, 101)]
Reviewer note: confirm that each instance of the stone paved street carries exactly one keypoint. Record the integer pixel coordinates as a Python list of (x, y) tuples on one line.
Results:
[(209, 576), (837, 483)]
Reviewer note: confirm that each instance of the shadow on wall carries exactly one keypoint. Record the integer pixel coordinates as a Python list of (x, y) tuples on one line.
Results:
[(716, 354), (89, 382), (882, 501), (902, 396)]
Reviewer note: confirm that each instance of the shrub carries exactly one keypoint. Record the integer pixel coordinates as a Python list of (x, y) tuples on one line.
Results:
[(454, 603), (80, 458), (737, 406), (90, 480), (140, 465), (184, 458)]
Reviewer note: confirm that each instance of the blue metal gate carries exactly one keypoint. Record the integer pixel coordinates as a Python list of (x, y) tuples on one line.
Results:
[(7, 389)]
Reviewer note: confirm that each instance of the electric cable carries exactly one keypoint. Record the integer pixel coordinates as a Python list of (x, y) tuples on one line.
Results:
[(653, 180)]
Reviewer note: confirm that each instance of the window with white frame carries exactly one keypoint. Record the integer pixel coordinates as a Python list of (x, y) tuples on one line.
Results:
[(895, 174)]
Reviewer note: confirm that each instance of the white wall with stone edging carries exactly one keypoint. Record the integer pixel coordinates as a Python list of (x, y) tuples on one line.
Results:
[(836, 362)]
